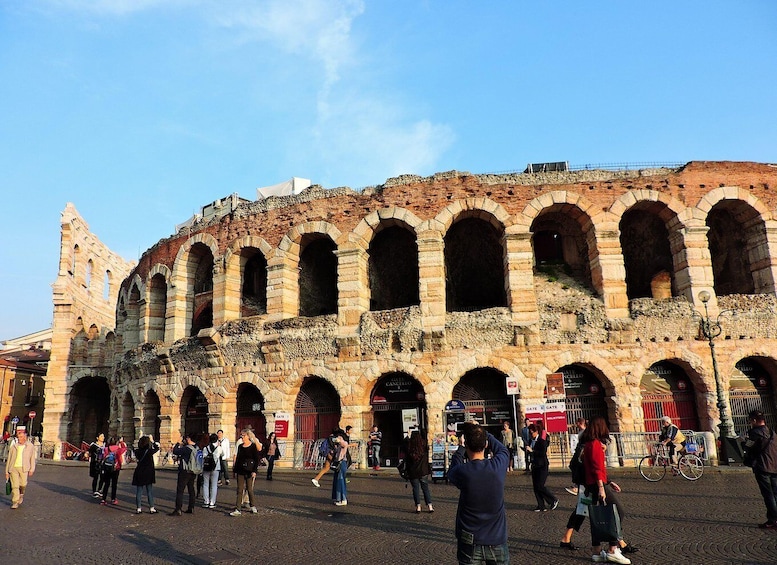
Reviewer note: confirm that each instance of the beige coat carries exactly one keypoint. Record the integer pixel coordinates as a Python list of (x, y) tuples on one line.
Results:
[(28, 459)]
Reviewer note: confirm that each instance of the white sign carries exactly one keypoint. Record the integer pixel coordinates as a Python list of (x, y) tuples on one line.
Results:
[(512, 385), (409, 419)]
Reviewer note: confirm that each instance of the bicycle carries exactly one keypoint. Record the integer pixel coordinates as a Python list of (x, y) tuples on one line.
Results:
[(653, 467)]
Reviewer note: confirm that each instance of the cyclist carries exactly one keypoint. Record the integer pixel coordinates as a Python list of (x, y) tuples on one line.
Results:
[(672, 437)]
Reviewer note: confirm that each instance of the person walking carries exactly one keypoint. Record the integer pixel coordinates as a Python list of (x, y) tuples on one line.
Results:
[(226, 455), (340, 466), (19, 466), (596, 438), (761, 453), (508, 439), (481, 520), (375, 439), (211, 466), (539, 471), (113, 458), (244, 467), (184, 450), (576, 448), (272, 452), (416, 455), (526, 438), (95, 459), (144, 476), (325, 446)]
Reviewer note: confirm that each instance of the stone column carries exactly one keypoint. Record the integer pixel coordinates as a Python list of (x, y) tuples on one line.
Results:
[(220, 292), (431, 275), (353, 290), (283, 287), (693, 263), (608, 273), (519, 266)]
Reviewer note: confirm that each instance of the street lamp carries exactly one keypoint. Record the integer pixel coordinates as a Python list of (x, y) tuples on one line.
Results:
[(711, 329)]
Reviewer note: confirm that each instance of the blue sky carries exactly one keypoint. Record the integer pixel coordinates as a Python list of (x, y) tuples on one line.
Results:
[(141, 111)]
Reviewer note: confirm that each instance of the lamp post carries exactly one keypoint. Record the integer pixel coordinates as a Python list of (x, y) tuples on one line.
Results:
[(711, 329)]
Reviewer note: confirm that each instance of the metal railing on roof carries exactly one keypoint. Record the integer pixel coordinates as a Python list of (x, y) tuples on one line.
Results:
[(606, 167)]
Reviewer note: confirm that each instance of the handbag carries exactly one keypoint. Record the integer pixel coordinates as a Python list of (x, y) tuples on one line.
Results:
[(247, 466), (8, 486), (605, 523)]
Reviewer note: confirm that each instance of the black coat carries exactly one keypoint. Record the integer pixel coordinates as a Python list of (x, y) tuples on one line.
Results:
[(416, 468), (94, 464), (145, 474)]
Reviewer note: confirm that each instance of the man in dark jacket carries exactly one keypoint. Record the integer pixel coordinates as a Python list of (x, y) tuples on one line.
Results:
[(761, 452), (481, 520), (183, 449)]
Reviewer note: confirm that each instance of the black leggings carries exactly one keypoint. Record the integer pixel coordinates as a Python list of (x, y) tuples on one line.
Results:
[(110, 479), (576, 520)]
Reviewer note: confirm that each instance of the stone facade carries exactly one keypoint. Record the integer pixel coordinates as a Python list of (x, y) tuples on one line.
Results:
[(454, 282)]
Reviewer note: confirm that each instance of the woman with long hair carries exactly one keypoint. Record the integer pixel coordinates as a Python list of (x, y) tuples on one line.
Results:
[(95, 460), (144, 475), (244, 467), (416, 454), (596, 437), (272, 452), (113, 457), (340, 466)]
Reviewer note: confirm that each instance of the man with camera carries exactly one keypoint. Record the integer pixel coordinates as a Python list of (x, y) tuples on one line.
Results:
[(481, 520), (186, 478)]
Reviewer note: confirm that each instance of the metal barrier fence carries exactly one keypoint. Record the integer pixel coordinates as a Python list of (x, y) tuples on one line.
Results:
[(307, 454), (625, 448)]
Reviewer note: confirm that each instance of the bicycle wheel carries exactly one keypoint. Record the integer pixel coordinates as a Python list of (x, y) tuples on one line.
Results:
[(651, 469), (691, 467)]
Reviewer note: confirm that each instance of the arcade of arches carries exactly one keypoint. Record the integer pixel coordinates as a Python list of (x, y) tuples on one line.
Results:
[(383, 306)]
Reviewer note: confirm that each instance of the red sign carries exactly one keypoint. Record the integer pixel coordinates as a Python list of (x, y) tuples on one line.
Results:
[(282, 428), (555, 417), (32, 414)]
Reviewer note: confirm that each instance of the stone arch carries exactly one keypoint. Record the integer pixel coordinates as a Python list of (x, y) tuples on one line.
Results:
[(186, 301), (88, 406), (317, 409), (475, 255), (740, 241), (563, 234), (246, 264), (378, 220), (157, 294)]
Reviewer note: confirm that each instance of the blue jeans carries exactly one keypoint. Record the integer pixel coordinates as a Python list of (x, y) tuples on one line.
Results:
[(418, 485), (767, 484), (483, 554), (376, 456), (149, 494), (210, 486), (338, 484)]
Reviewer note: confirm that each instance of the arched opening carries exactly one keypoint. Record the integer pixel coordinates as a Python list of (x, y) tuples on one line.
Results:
[(74, 261), (751, 388), (253, 297), (484, 394), (474, 266), (157, 308), (194, 409), (560, 244), (250, 411), (584, 395), (89, 408), (132, 322), (393, 269), (199, 270), (317, 276), (316, 410), (647, 255), (152, 411), (107, 285), (398, 403), (88, 277), (667, 391), (127, 428), (737, 242)]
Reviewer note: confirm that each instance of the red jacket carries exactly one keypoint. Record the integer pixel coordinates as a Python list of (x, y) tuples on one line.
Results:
[(593, 461)]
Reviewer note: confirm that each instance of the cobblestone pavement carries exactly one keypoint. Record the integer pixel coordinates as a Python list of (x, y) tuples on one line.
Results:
[(712, 521)]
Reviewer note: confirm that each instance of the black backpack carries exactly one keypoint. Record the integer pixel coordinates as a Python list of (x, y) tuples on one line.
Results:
[(208, 462)]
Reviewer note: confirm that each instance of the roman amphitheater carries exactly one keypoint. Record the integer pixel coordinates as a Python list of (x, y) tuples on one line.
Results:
[(383, 305)]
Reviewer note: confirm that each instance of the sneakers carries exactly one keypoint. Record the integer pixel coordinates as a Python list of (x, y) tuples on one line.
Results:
[(114, 501), (235, 512), (555, 504), (97, 494), (431, 508), (253, 510), (152, 510), (599, 557), (14, 506), (103, 503), (617, 557), (140, 511), (768, 525), (206, 504), (315, 483), (175, 513), (341, 503), (417, 508), (212, 506), (571, 490)]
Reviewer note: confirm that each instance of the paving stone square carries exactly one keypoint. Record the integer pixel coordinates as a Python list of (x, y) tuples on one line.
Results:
[(712, 521)]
